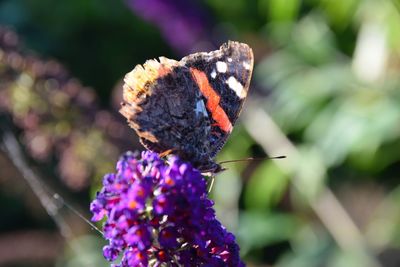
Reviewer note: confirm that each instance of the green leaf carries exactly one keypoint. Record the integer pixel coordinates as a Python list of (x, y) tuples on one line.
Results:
[(266, 187)]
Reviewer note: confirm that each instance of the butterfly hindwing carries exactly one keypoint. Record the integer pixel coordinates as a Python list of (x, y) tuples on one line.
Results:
[(165, 108)]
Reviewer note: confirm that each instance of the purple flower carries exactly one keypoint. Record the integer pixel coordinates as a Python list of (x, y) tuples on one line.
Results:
[(110, 253), (183, 23), (158, 212), (167, 237)]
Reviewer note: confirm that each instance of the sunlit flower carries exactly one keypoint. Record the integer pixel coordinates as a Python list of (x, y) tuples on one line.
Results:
[(158, 212)]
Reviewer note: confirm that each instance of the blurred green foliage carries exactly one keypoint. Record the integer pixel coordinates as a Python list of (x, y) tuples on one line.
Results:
[(326, 72)]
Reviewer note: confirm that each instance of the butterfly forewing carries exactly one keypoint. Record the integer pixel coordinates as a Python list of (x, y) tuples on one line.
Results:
[(228, 71)]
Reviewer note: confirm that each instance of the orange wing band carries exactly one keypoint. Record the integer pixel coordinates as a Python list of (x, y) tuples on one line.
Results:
[(213, 99)]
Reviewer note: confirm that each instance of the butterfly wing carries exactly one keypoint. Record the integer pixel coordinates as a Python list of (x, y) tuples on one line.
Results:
[(189, 107), (223, 77)]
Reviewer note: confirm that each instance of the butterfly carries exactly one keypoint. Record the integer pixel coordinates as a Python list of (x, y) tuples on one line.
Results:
[(189, 107)]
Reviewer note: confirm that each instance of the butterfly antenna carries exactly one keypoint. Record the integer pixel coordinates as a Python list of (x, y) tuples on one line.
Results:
[(251, 159), (76, 212)]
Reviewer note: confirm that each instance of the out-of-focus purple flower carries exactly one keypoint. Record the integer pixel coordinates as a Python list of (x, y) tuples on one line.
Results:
[(158, 212), (183, 23), (58, 119)]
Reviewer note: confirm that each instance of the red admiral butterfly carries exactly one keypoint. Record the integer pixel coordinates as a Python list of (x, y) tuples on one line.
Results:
[(189, 107)]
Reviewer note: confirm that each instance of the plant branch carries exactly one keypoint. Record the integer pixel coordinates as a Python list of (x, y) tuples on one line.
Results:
[(12, 148)]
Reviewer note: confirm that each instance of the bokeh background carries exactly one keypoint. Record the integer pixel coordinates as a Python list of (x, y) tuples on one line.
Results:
[(325, 93)]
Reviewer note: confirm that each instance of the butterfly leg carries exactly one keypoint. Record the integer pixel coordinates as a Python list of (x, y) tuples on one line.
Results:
[(210, 183)]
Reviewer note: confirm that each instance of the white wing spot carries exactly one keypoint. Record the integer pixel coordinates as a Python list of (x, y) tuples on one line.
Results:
[(200, 108), (213, 74), (221, 66), (236, 86), (246, 65)]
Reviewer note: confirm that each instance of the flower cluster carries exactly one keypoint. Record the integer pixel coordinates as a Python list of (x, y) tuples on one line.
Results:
[(158, 214)]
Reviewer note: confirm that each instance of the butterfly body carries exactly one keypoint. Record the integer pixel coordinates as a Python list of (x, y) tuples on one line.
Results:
[(189, 107)]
